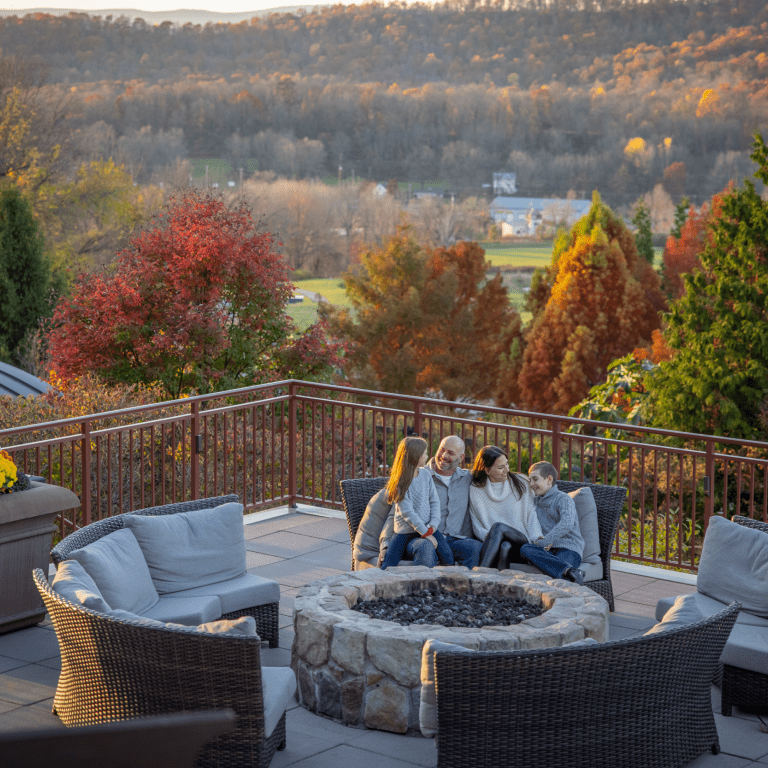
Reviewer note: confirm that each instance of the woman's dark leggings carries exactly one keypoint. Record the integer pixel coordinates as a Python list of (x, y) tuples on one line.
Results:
[(502, 547)]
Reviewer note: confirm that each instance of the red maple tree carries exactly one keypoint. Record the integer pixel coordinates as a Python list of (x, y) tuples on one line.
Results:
[(681, 255), (197, 303)]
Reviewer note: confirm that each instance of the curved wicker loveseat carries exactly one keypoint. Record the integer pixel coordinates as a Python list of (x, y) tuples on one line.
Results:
[(609, 500), (639, 703), (113, 669), (267, 616)]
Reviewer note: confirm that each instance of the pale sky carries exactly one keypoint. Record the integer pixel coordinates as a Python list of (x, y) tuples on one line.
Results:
[(218, 6)]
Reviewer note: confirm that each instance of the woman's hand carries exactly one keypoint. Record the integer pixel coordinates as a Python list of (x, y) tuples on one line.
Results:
[(432, 539)]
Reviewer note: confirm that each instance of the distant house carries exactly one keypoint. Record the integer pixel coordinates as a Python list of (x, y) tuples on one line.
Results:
[(522, 216), (18, 383)]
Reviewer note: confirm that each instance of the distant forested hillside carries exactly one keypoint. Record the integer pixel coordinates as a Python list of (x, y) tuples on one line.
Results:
[(569, 94)]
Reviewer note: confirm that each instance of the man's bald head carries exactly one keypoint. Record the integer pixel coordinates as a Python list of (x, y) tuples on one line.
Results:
[(450, 455)]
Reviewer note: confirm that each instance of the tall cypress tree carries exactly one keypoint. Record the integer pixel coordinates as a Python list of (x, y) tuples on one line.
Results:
[(25, 274)]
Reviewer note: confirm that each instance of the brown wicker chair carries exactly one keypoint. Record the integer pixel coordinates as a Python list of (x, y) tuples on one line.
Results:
[(356, 493), (114, 670), (267, 616), (743, 687), (638, 703)]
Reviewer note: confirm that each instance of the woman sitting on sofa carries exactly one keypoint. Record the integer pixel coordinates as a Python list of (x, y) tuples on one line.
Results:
[(502, 509)]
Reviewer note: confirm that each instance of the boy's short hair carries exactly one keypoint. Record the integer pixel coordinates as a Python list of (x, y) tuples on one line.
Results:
[(545, 469)]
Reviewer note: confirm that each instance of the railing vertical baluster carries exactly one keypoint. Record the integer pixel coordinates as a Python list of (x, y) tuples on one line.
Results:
[(709, 472), (292, 445), (85, 497), (556, 444)]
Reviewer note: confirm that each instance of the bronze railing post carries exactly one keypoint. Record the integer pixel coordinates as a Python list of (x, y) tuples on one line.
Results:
[(292, 447), (195, 448), (85, 446)]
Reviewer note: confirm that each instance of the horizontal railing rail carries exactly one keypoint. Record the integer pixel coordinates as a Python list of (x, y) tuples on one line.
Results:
[(292, 441)]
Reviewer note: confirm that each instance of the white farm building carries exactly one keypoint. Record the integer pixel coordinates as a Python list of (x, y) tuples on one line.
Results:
[(522, 216)]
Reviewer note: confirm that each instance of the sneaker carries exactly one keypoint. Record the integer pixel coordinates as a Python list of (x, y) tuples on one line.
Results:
[(575, 575)]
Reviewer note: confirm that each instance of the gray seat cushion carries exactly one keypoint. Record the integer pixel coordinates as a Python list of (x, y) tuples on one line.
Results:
[(734, 566), (587, 512), (366, 546), (74, 584), (115, 562), (244, 626), (191, 549), (709, 606), (189, 611), (747, 648), (279, 689), (237, 594)]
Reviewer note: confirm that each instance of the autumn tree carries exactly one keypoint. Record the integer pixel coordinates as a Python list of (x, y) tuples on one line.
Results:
[(25, 273), (594, 311), (197, 303), (717, 381), (424, 321), (682, 253)]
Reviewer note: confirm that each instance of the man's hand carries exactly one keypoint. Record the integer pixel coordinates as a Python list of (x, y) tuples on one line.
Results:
[(432, 539)]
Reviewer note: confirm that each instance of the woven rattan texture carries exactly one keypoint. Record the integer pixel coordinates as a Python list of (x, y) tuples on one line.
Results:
[(355, 495), (638, 703), (743, 687), (93, 532), (119, 670)]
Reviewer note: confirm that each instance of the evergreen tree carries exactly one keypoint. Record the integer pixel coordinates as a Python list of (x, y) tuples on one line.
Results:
[(643, 236), (25, 275), (717, 382), (681, 216)]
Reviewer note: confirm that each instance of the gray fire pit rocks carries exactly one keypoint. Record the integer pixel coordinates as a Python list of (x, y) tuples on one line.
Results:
[(365, 672)]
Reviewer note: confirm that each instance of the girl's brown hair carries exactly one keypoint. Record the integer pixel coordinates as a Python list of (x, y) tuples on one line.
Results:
[(410, 450)]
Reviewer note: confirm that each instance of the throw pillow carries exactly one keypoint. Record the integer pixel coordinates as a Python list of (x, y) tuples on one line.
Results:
[(366, 546), (587, 512), (244, 626), (74, 584), (428, 703), (116, 564), (685, 610), (734, 566), (193, 549)]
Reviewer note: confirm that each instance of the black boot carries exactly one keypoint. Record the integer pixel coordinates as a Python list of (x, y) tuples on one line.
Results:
[(574, 575)]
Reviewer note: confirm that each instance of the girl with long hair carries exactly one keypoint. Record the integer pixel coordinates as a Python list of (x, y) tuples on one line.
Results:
[(417, 505), (502, 509)]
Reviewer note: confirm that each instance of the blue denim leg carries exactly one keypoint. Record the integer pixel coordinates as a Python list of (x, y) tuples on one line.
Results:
[(444, 553), (465, 551), (422, 551), (396, 549), (553, 562)]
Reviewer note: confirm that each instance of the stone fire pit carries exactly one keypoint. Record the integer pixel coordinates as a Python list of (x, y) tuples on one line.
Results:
[(366, 673)]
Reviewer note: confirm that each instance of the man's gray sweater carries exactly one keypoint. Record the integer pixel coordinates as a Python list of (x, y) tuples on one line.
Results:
[(559, 521)]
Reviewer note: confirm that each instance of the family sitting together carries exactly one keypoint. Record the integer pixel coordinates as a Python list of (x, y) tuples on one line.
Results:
[(438, 512)]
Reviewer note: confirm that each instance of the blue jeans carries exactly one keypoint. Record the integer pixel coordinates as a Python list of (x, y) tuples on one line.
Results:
[(555, 562), (400, 541), (465, 551)]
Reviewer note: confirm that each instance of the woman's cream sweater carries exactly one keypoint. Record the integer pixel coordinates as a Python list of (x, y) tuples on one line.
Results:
[(498, 503)]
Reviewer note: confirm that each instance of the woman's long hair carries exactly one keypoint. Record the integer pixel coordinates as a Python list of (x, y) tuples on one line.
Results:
[(410, 450), (485, 459)]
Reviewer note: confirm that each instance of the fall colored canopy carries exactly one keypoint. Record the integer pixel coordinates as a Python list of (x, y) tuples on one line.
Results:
[(197, 303)]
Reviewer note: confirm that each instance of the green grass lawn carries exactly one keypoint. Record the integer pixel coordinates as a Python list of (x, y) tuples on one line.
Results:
[(512, 255)]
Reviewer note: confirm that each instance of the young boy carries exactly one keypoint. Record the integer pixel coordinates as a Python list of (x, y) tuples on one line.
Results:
[(558, 552)]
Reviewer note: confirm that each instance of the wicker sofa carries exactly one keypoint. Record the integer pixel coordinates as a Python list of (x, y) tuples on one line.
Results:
[(609, 500), (734, 565), (245, 595), (116, 669), (637, 703)]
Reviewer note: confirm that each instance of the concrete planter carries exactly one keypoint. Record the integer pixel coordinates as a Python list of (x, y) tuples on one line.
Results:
[(26, 531)]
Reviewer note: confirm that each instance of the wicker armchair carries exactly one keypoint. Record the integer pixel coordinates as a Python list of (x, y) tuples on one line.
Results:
[(355, 495), (267, 616), (743, 687), (114, 670), (638, 703)]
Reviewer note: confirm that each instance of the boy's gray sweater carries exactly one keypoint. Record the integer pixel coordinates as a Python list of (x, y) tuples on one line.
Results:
[(556, 511)]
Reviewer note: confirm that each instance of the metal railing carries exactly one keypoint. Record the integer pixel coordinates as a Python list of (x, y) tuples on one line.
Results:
[(292, 441)]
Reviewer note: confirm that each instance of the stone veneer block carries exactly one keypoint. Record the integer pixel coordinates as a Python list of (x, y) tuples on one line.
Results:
[(314, 631), (348, 647), (397, 654), (387, 707)]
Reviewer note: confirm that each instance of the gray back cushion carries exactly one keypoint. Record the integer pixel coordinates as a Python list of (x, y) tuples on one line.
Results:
[(734, 565), (587, 512), (117, 566), (191, 549), (685, 610), (74, 584), (366, 545)]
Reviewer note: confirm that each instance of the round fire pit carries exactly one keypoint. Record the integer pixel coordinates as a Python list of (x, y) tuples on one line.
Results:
[(365, 672)]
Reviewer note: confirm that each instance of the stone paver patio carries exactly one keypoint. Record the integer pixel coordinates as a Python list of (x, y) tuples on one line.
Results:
[(295, 549)]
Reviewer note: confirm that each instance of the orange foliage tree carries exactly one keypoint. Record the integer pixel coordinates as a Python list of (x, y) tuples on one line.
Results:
[(681, 254), (604, 301), (425, 321)]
